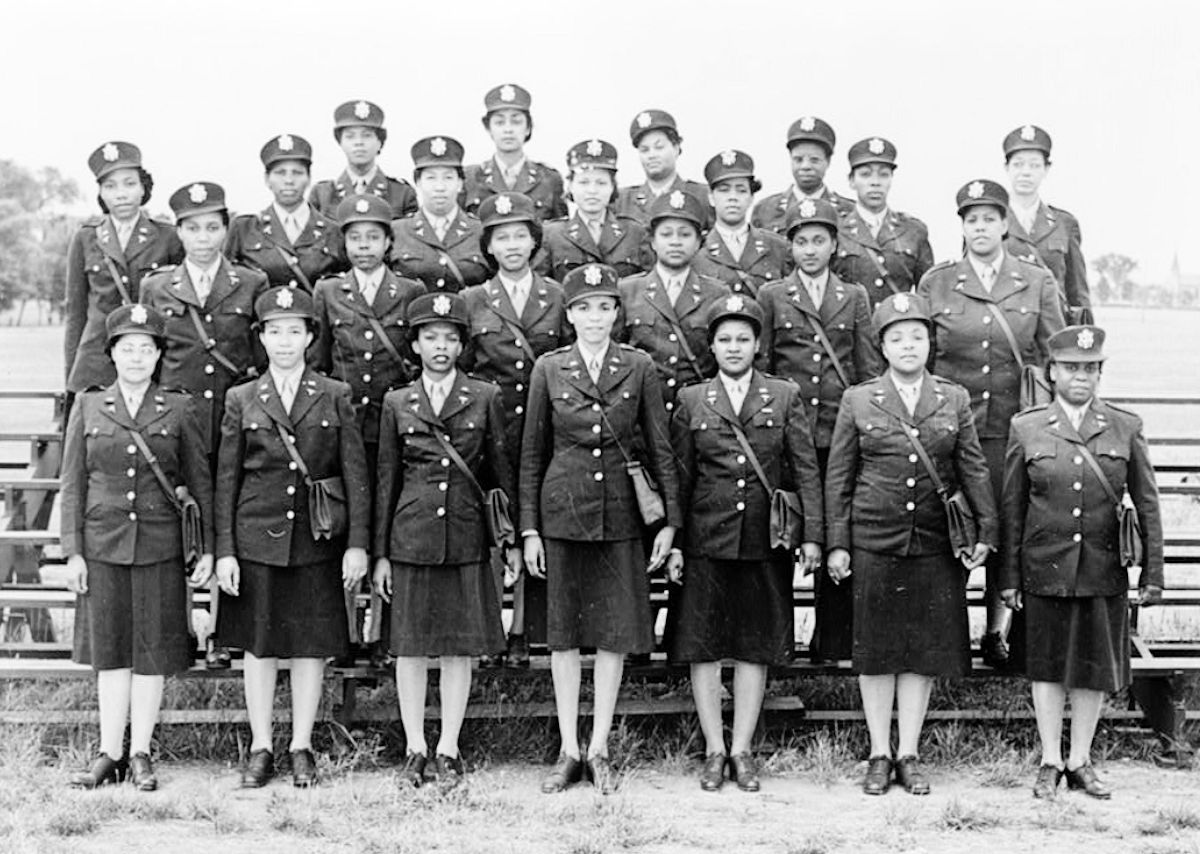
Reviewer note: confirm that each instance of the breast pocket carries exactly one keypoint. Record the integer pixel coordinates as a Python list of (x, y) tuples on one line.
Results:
[(1114, 461)]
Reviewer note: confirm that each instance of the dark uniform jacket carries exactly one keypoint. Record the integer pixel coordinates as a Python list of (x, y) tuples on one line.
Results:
[(113, 508), (969, 346), (500, 343), (426, 511), (634, 201), (573, 482), (567, 244), (227, 317), (643, 320), (541, 183), (790, 349), (262, 501), (398, 193), (91, 294), (727, 509), (260, 242), (766, 258), (878, 493), (348, 348), (892, 262), (771, 211), (1060, 529), (418, 254), (1055, 243)]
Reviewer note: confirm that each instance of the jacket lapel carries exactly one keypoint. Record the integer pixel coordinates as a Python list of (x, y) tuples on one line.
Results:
[(154, 407), (269, 397), (423, 231), (536, 304), (386, 294), (527, 178), (458, 399), (717, 250), (575, 372), (616, 368), (182, 287), (1043, 223), (659, 300), (801, 298), (110, 244), (224, 283), (1009, 280), (835, 301), (458, 231), (114, 407), (501, 305), (717, 399), (306, 395), (690, 297), (886, 397), (275, 233), (418, 404), (967, 282), (145, 230), (578, 234), (353, 297), (930, 399), (611, 234), (758, 398)]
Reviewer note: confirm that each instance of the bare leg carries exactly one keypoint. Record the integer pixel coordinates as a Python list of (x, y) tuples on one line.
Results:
[(145, 700), (567, 671), (749, 685), (912, 701), (259, 675), (878, 696), (1049, 702), (706, 691), (308, 678), (607, 679), (455, 684), (412, 680), (1085, 716), (113, 690)]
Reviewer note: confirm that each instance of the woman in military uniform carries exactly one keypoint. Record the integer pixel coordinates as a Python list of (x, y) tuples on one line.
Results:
[(656, 138), (817, 332), (515, 317), (736, 595), (1038, 232), (289, 444), (885, 523), (432, 540), (810, 144), (207, 303), (884, 250), (592, 407), (509, 122), (359, 131), (662, 312), (595, 234), (985, 307), (362, 340), (742, 256), (1062, 551), (439, 244), (121, 536), (107, 259), (290, 241)]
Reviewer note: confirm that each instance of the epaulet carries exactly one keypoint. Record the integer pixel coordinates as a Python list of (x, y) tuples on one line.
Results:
[(1061, 211), (941, 265), (564, 348), (1031, 260), (630, 278), (162, 270), (629, 347), (161, 220), (868, 383), (92, 222), (479, 379), (392, 179), (1123, 410), (249, 272), (181, 392), (788, 381), (556, 221), (92, 389), (712, 280), (1025, 413)]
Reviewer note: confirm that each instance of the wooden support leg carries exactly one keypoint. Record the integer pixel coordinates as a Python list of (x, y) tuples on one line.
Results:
[(1161, 701)]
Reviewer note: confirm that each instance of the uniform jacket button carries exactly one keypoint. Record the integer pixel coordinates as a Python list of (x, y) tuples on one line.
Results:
[(291, 514)]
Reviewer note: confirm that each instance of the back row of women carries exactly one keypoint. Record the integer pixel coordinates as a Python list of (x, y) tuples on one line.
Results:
[(736, 393)]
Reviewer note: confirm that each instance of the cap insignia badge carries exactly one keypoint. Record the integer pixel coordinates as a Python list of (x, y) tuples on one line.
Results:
[(901, 303), (735, 303), (808, 208), (198, 193), (284, 298), (676, 200), (875, 146), (507, 93), (441, 304), (643, 120), (728, 157), (362, 206), (110, 152), (503, 205), (592, 275), (1028, 133), (1086, 339), (362, 110), (807, 124), (437, 146), (975, 191), (286, 143), (138, 314), (595, 148)]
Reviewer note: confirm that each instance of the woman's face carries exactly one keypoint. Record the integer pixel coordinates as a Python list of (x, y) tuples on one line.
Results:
[(983, 229), (366, 245), (285, 341), (591, 190), (512, 246), (361, 146), (658, 155), (906, 347), (135, 356), (439, 187), (509, 129), (593, 318), (438, 345), (287, 180), (675, 242), (732, 199), (202, 236), (1076, 382), (1026, 172), (734, 345), (872, 182), (122, 192), (812, 247)]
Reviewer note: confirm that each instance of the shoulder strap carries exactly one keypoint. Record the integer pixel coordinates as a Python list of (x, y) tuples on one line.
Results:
[(750, 455), (159, 474), (458, 461), (294, 265), (518, 333), (608, 424), (115, 272), (290, 447), (210, 344), (837, 365), (879, 266), (1008, 333), (1091, 461), (683, 344), (377, 327), (910, 431), (444, 258)]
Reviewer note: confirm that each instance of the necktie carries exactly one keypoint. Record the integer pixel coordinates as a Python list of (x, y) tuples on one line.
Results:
[(124, 232), (360, 185), (875, 224), (368, 289), (288, 394), (908, 394), (517, 296), (133, 404), (595, 228), (989, 278), (1076, 416), (674, 286), (736, 243), (594, 369), (203, 287), (439, 227), (437, 397), (817, 292), (737, 396), (510, 176), (292, 228)]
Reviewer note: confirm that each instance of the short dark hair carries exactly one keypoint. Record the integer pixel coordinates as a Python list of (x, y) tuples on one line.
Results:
[(616, 190), (379, 132), (462, 175), (487, 121), (485, 237), (147, 187)]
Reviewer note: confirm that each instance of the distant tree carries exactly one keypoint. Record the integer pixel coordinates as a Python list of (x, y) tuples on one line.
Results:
[(34, 234), (1115, 269)]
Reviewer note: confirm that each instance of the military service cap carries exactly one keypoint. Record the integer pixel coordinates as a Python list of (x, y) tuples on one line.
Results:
[(282, 304), (1027, 138), (508, 96), (812, 129), (677, 205), (1077, 344), (505, 208), (811, 212), (590, 280), (735, 307), (197, 198), (873, 150), (438, 308), (729, 164), (437, 151), (134, 317), (286, 146), (592, 154), (898, 307), (364, 207), (357, 114), (982, 192), (113, 156), (648, 120)]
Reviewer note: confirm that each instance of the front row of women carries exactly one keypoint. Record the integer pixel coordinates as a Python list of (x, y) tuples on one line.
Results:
[(290, 530)]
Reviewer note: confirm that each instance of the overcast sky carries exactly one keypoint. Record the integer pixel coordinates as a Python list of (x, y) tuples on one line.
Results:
[(201, 85)]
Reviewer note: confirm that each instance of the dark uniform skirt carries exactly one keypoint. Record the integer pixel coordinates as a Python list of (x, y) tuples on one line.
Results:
[(445, 610), (738, 609), (286, 611), (1078, 642), (833, 612), (598, 596), (134, 617), (910, 614)]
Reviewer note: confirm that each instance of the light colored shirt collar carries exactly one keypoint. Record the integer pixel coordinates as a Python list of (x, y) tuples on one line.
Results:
[(133, 396), (808, 281), (873, 220), (590, 356), (665, 275), (979, 266), (515, 169), (815, 196), (740, 234), (735, 385), (1075, 414), (525, 283), (372, 279), (447, 220), (282, 378), (301, 214), (369, 178), (195, 272), (446, 384)]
